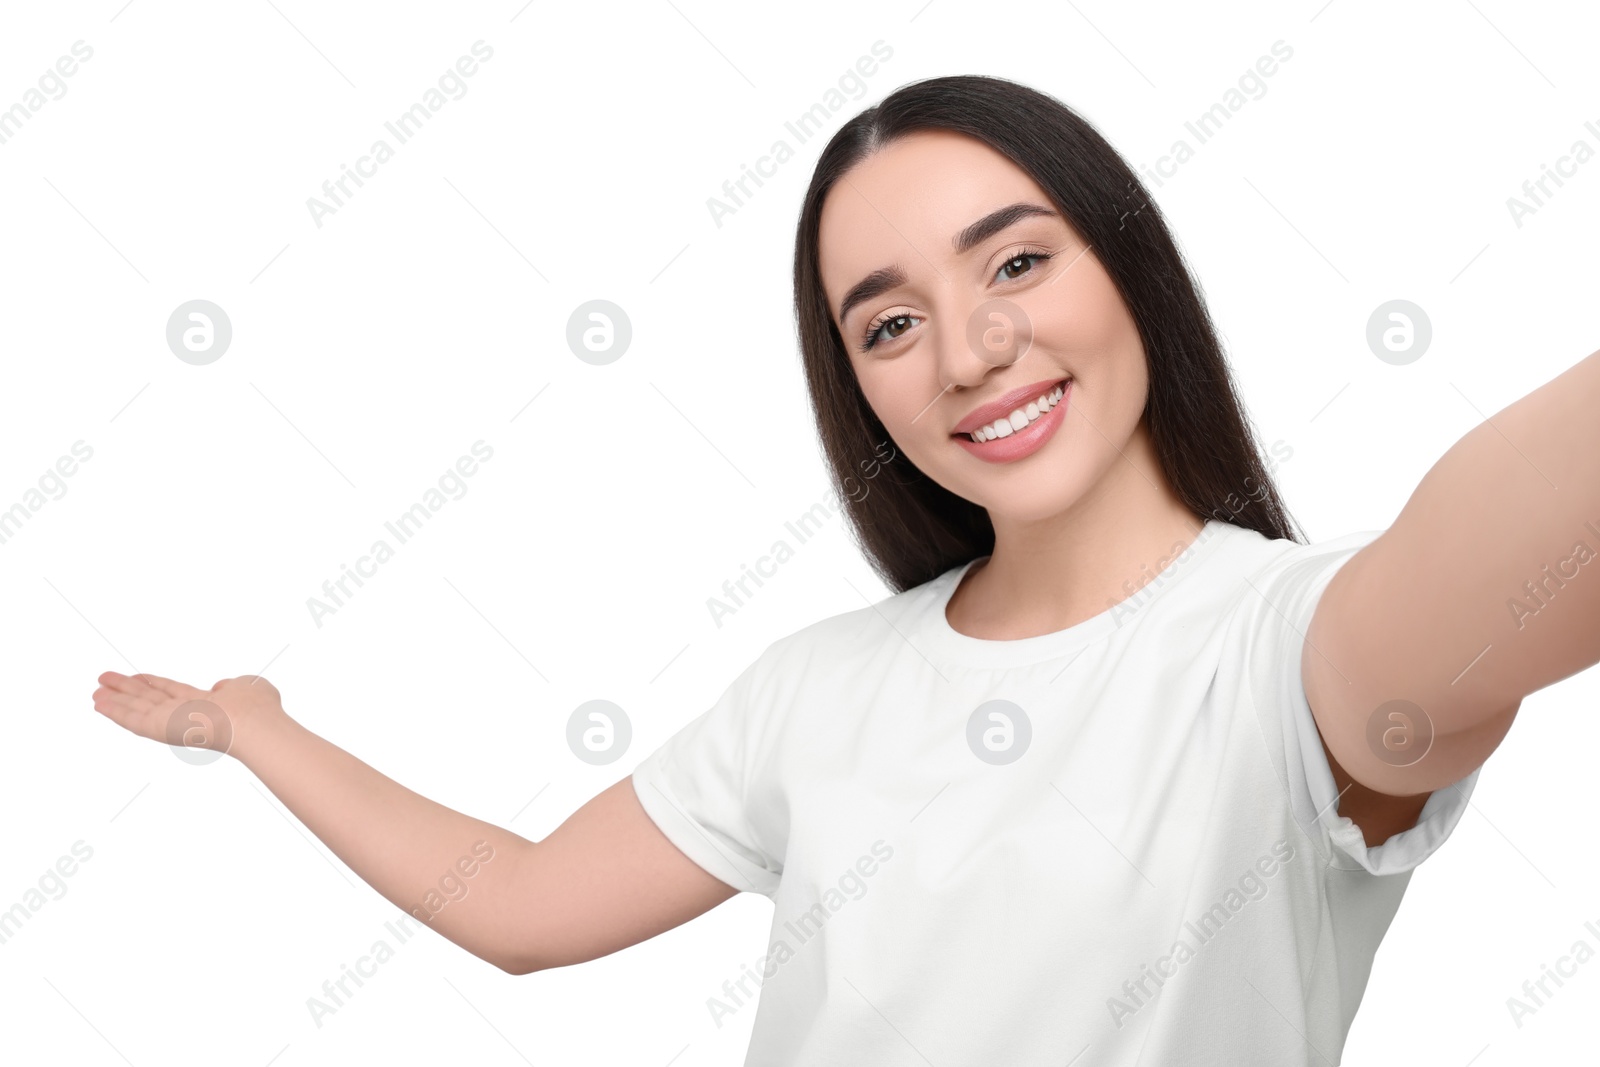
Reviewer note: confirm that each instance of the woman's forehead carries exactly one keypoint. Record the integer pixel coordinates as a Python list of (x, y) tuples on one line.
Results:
[(906, 203), (927, 179)]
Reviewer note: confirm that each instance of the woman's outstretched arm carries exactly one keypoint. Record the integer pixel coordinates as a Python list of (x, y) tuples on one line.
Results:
[(604, 879), (1485, 589)]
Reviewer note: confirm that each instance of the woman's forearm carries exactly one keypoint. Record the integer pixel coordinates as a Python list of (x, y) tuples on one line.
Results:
[(606, 878), (454, 873)]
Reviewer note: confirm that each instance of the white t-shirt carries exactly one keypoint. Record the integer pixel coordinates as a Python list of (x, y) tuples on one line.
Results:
[(1157, 875)]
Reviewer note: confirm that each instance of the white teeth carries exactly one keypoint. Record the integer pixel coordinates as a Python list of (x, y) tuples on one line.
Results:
[(1021, 417)]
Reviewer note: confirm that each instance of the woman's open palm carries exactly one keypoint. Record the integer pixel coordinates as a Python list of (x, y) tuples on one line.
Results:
[(178, 714)]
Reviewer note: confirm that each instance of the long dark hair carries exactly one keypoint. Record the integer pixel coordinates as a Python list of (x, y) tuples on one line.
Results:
[(911, 528)]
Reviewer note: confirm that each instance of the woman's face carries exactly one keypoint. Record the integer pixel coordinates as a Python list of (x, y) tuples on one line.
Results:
[(957, 324)]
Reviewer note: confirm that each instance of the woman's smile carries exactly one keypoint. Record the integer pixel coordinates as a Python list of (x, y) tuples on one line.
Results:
[(1017, 424)]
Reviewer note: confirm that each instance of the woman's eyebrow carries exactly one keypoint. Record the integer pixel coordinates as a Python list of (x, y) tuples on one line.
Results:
[(996, 221), (879, 281), (886, 278)]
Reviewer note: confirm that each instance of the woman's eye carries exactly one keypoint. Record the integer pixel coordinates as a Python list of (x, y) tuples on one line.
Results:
[(887, 329), (1019, 261)]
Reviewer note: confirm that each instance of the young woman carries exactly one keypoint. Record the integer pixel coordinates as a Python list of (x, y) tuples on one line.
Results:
[(1123, 771)]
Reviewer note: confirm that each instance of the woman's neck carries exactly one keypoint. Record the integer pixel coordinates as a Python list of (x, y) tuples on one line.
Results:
[(1045, 575)]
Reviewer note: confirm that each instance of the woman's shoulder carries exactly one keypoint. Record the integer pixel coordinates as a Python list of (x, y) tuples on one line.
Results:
[(1225, 570), (857, 632), (1275, 556), (1253, 553), (1275, 585)]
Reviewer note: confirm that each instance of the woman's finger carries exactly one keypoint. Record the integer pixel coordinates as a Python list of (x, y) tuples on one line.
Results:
[(113, 680), (127, 700), (166, 686)]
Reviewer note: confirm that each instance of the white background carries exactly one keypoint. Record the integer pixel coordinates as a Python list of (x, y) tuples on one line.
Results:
[(429, 310)]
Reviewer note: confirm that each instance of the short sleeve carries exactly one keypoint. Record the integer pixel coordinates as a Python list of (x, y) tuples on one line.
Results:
[(1289, 589), (695, 787)]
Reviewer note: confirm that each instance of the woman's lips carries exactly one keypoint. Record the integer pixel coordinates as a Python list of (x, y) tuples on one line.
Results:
[(1023, 442), (1002, 406)]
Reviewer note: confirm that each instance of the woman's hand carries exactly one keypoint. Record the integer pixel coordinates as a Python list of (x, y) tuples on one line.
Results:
[(604, 879), (177, 714)]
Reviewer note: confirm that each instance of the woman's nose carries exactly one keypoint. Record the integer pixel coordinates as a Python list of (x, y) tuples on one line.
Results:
[(994, 333)]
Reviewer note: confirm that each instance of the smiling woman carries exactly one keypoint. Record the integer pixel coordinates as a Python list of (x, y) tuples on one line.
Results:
[(1085, 768), (1104, 286), (1153, 734)]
